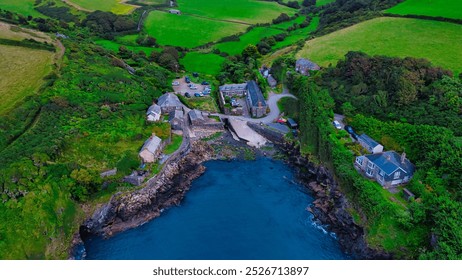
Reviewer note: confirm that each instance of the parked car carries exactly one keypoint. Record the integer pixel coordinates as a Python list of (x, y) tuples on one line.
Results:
[(198, 94), (175, 83), (204, 83), (187, 80), (337, 125), (192, 86), (349, 129), (186, 94)]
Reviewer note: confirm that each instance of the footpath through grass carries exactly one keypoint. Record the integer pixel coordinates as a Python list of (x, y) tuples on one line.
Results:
[(434, 8), (439, 42)]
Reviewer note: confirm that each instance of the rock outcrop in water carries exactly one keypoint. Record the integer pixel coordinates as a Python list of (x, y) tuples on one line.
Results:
[(129, 210), (330, 206)]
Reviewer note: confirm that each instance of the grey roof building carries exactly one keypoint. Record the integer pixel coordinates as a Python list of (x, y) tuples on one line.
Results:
[(388, 168), (151, 149), (153, 113), (370, 144), (169, 102), (272, 81), (176, 119), (196, 117), (303, 66), (233, 89), (255, 100)]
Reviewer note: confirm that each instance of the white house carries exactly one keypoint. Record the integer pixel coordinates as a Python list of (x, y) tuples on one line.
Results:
[(370, 144), (153, 113)]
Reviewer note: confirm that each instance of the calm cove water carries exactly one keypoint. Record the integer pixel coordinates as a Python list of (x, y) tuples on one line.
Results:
[(235, 210)]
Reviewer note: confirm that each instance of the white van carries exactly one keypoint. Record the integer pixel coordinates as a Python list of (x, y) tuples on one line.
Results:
[(337, 125)]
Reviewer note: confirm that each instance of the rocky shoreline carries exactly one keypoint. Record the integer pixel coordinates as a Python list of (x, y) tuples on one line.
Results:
[(129, 210)]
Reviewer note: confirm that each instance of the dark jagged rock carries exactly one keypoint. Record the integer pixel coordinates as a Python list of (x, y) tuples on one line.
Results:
[(330, 206)]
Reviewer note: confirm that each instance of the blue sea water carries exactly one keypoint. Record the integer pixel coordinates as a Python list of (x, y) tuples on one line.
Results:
[(235, 210)]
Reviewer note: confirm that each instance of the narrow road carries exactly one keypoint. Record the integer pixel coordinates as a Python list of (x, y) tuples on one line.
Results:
[(272, 103)]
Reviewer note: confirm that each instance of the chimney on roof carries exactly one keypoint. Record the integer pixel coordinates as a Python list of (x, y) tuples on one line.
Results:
[(259, 104), (403, 157), (388, 156)]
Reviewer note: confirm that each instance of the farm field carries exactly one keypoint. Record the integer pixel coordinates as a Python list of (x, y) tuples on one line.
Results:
[(251, 37), (114, 46), (24, 7), (435, 8), (248, 11), (203, 63), (115, 6), (13, 32), (439, 42), (187, 31), (298, 34), (320, 3), (20, 63), (286, 24)]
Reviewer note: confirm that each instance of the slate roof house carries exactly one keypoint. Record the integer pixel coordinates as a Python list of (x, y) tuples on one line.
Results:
[(304, 66), (255, 100), (176, 119), (389, 168), (196, 117), (153, 113), (233, 89), (370, 144), (151, 149), (169, 102)]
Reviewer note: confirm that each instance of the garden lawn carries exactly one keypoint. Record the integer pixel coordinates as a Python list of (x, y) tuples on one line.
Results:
[(202, 63), (250, 38), (434, 8), (248, 11), (23, 7), (115, 6), (22, 71), (187, 31), (439, 42)]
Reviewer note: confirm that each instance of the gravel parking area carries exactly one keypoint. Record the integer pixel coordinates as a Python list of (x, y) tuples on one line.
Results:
[(183, 87)]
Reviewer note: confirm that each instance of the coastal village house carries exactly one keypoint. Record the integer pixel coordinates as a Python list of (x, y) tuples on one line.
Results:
[(176, 119), (196, 118), (255, 100), (304, 66), (169, 102), (232, 90), (153, 113), (151, 149), (370, 144), (389, 168)]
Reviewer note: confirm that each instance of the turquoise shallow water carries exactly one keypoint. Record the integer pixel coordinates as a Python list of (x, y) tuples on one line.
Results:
[(235, 210)]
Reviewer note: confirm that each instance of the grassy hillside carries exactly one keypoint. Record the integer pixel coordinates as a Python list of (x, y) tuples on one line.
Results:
[(249, 11), (202, 63), (24, 7), (115, 6), (323, 2), (298, 34), (434, 8), (439, 42), (187, 31)]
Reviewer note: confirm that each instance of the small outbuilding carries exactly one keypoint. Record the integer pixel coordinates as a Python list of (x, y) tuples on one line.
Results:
[(153, 113), (196, 117), (304, 66), (176, 119), (151, 149), (370, 144), (292, 124)]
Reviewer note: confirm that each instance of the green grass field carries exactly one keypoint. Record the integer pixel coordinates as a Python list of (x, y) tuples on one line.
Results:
[(434, 8), (187, 31), (298, 34), (249, 11), (17, 63), (203, 63), (24, 7), (284, 25), (115, 6), (439, 42), (252, 37), (320, 3), (114, 46)]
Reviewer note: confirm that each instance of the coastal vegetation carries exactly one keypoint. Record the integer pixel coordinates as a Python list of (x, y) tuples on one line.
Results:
[(439, 42)]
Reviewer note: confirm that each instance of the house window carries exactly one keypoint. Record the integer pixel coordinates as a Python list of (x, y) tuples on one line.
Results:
[(380, 178), (369, 171), (397, 174), (370, 165), (359, 160), (382, 173)]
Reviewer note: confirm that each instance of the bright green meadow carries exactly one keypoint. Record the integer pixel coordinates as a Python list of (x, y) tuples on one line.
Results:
[(24, 7), (434, 8), (202, 63), (252, 37), (298, 34), (439, 42), (187, 31)]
